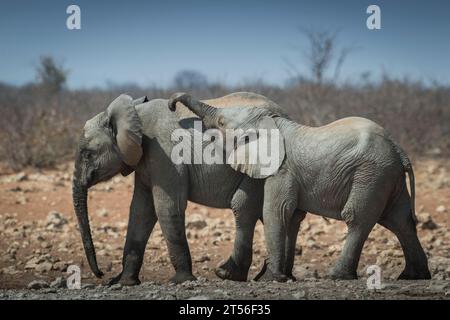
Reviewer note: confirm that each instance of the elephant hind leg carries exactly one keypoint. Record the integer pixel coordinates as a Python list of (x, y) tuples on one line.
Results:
[(398, 219), (291, 241), (361, 213)]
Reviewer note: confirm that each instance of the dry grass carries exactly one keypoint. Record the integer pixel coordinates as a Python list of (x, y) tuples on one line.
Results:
[(39, 128)]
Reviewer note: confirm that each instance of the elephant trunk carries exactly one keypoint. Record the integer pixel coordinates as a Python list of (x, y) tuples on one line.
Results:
[(79, 194), (201, 109)]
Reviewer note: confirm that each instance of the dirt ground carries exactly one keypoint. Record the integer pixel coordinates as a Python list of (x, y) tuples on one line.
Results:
[(39, 240)]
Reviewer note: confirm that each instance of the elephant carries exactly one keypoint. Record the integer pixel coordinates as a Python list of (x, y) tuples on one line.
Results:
[(350, 170), (135, 136)]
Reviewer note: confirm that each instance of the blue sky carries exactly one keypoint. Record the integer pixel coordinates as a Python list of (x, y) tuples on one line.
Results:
[(147, 42)]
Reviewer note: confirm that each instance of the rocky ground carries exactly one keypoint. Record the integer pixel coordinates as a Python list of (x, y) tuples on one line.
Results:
[(39, 240)]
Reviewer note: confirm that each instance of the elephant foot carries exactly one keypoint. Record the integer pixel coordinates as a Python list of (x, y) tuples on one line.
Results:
[(230, 271), (267, 275), (125, 281), (342, 274), (181, 277), (410, 274)]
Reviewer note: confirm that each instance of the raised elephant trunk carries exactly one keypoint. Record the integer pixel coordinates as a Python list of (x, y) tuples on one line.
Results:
[(203, 110), (79, 194)]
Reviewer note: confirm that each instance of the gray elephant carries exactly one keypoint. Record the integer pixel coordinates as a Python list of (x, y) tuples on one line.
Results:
[(349, 170), (136, 136)]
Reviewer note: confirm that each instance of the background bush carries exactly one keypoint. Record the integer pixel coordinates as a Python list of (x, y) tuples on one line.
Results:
[(40, 122)]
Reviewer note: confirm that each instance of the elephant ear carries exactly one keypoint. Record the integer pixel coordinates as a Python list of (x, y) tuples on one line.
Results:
[(128, 128), (259, 150)]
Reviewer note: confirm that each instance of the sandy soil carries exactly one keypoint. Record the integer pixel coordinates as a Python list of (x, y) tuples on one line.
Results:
[(39, 239)]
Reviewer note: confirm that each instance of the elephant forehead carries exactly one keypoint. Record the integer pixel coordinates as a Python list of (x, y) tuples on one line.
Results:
[(92, 125)]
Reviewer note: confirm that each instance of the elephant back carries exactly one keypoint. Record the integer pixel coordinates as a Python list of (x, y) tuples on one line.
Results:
[(237, 99)]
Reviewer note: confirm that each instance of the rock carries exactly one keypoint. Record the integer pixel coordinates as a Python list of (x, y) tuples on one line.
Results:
[(306, 271), (61, 266), (31, 264), (299, 295), (21, 199), (196, 222), (10, 270), (200, 298), (203, 259), (116, 286), (441, 209), (89, 286), (49, 290), (46, 245), (427, 222), (55, 220), (37, 284), (44, 267), (102, 212), (439, 287), (58, 283)]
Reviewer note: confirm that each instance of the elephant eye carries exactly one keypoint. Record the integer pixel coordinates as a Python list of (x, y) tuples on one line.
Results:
[(87, 154), (220, 122)]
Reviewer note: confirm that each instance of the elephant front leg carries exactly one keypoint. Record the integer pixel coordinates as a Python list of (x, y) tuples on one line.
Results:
[(289, 252), (170, 209), (280, 202), (140, 224)]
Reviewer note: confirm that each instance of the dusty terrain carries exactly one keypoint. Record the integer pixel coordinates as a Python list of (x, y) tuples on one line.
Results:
[(39, 239)]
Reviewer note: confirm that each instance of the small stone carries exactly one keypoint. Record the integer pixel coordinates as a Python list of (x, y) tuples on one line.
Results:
[(37, 284), (60, 265), (203, 259), (21, 176), (196, 221), (102, 212), (88, 286), (441, 209), (427, 222), (55, 220), (58, 283), (299, 295), (49, 290), (200, 298), (116, 286), (45, 245), (44, 267)]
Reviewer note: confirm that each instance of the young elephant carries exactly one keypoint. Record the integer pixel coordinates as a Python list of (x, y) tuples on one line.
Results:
[(349, 170), (136, 136)]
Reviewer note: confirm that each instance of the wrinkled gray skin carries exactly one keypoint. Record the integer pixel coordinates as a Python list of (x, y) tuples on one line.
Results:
[(136, 136), (349, 170)]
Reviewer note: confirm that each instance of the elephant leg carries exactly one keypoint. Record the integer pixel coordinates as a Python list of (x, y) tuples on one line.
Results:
[(399, 220), (291, 240), (170, 209), (140, 224), (280, 202), (247, 208), (362, 210)]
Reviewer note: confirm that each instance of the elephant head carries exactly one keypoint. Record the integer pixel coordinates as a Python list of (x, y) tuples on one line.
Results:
[(110, 143), (258, 149)]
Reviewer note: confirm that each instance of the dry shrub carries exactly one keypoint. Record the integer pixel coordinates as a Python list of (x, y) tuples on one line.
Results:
[(40, 128)]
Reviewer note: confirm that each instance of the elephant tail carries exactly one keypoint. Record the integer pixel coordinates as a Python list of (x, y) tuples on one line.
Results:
[(407, 166)]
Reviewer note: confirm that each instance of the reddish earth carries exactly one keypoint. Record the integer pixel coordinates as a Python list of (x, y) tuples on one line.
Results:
[(38, 244)]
